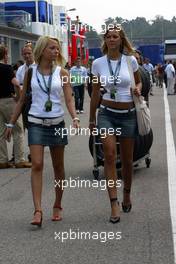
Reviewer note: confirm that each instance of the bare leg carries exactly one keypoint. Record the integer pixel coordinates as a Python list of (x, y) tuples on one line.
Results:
[(57, 155), (126, 152), (37, 152), (109, 147)]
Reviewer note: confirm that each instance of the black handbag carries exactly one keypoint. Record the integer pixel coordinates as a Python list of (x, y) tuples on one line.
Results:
[(28, 99)]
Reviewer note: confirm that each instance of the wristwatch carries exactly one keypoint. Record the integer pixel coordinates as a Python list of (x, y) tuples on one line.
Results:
[(76, 119), (9, 125)]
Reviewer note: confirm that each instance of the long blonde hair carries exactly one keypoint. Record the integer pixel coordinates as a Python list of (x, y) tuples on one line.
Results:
[(41, 44), (125, 47)]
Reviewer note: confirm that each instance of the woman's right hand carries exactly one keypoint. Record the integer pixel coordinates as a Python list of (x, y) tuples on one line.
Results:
[(8, 134), (92, 125)]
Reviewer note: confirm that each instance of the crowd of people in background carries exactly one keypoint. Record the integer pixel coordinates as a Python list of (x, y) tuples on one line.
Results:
[(80, 80), (159, 74)]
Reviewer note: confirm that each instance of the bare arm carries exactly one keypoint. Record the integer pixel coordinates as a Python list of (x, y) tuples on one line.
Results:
[(85, 79), (95, 98), (17, 88), (17, 110), (65, 77), (19, 105), (137, 78)]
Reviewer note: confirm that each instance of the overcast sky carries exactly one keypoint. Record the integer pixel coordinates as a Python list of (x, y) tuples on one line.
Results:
[(94, 12)]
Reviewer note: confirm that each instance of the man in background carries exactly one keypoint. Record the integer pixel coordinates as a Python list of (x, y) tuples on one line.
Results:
[(149, 68), (28, 57), (9, 88), (78, 82), (170, 73)]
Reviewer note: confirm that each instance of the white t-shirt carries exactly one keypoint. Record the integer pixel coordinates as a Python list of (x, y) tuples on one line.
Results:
[(170, 71), (21, 72), (78, 75), (122, 90), (148, 67)]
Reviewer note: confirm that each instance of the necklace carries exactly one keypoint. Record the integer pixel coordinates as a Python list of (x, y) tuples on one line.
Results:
[(46, 89), (115, 75)]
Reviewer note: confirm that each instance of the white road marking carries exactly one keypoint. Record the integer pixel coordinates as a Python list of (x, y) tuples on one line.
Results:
[(171, 165)]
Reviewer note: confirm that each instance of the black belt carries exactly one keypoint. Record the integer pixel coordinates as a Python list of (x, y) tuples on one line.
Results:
[(10, 96), (117, 110)]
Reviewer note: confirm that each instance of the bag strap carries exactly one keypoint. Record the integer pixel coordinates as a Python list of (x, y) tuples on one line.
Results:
[(29, 77), (136, 99), (130, 69)]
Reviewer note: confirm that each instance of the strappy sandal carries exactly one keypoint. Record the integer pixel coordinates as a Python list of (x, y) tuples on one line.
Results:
[(126, 208), (114, 219), (56, 216), (38, 223)]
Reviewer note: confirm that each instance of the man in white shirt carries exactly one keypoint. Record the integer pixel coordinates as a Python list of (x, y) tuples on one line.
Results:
[(149, 68), (170, 73), (28, 57), (78, 82), (29, 60)]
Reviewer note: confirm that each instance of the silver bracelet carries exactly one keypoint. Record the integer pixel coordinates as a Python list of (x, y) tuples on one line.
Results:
[(9, 125), (76, 119)]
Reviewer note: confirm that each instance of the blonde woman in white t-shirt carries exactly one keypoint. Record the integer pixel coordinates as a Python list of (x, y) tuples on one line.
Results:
[(117, 114), (46, 119)]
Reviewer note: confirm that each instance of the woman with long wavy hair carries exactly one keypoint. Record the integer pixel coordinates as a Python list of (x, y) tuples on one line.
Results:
[(116, 113)]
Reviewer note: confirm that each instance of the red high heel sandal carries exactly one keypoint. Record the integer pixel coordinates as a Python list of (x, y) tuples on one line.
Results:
[(38, 223)]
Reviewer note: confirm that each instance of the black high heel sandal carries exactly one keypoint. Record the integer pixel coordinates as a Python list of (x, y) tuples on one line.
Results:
[(114, 219), (126, 208), (57, 216)]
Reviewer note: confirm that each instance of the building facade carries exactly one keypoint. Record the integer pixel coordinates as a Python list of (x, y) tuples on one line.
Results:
[(22, 21)]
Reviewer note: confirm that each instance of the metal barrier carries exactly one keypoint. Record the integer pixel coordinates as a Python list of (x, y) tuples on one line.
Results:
[(16, 19)]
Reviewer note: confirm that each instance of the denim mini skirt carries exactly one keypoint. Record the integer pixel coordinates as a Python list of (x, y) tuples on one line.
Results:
[(53, 135), (123, 124)]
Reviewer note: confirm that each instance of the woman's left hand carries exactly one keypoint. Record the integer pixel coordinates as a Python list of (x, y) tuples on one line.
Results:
[(76, 124), (137, 91)]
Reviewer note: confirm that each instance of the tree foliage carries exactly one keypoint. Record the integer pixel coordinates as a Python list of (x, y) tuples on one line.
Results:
[(139, 28)]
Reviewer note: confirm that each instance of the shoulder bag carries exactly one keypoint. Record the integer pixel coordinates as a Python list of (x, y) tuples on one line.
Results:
[(142, 110)]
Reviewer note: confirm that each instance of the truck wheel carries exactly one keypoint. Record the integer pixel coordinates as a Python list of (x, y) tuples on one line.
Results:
[(147, 162), (96, 174)]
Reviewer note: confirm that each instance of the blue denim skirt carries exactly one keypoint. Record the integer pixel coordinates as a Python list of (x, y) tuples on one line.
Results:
[(123, 124), (47, 135)]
